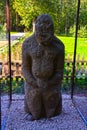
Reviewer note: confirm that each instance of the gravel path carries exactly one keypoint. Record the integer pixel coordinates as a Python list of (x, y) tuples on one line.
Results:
[(81, 103), (69, 119), (17, 36), (4, 105)]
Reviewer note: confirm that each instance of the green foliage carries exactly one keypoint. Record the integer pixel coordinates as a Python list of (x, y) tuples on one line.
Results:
[(2, 12), (83, 13), (17, 85), (82, 32), (1, 27), (68, 42), (28, 10), (2, 32), (15, 47), (69, 46), (63, 13), (72, 31)]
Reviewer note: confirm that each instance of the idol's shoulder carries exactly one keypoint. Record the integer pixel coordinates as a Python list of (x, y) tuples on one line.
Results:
[(28, 41), (58, 43)]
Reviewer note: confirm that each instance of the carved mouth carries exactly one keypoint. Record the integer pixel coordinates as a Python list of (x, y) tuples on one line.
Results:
[(44, 37)]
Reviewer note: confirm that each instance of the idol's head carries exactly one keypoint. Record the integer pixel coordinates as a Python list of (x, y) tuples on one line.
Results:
[(44, 29)]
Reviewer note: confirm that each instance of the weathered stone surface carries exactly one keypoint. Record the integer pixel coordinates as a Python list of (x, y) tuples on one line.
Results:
[(43, 63)]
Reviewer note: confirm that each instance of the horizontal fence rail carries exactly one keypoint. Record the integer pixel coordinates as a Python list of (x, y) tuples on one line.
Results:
[(16, 71), (18, 80)]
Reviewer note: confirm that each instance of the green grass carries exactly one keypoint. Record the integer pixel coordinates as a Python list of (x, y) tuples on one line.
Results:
[(69, 46)]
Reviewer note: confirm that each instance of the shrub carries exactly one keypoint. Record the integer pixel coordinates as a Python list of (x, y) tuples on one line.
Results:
[(82, 32)]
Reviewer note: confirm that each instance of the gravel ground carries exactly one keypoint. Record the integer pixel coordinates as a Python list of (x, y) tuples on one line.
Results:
[(17, 36), (4, 105), (81, 103), (69, 119)]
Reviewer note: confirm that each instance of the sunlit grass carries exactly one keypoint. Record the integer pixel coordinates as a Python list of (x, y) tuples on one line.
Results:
[(69, 46)]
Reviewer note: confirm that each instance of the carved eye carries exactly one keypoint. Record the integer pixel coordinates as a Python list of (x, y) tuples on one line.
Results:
[(49, 25), (41, 25)]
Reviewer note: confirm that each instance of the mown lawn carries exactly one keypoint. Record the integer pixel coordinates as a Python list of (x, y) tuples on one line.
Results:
[(69, 46)]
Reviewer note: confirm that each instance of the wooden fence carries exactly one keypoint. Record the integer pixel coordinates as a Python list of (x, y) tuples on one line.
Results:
[(18, 80), (80, 67), (80, 71), (15, 69)]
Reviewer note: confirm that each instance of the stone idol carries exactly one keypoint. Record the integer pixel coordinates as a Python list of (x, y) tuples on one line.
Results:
[(42, 67)]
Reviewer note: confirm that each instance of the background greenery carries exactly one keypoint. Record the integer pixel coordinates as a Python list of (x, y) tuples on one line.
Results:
[(68, 42), (63, 13), (69, 46)]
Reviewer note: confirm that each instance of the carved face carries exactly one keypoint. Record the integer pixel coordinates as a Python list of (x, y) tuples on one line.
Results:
[(44, 29)]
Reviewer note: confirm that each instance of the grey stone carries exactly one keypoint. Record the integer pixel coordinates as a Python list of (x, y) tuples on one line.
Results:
[(42, 67)]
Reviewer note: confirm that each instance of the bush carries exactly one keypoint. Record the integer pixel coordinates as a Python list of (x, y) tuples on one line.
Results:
[(72, 31), (1, 27), (2, 31), (82, 32)]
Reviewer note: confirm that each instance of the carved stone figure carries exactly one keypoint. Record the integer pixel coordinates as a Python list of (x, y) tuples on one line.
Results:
[(42, 66)]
